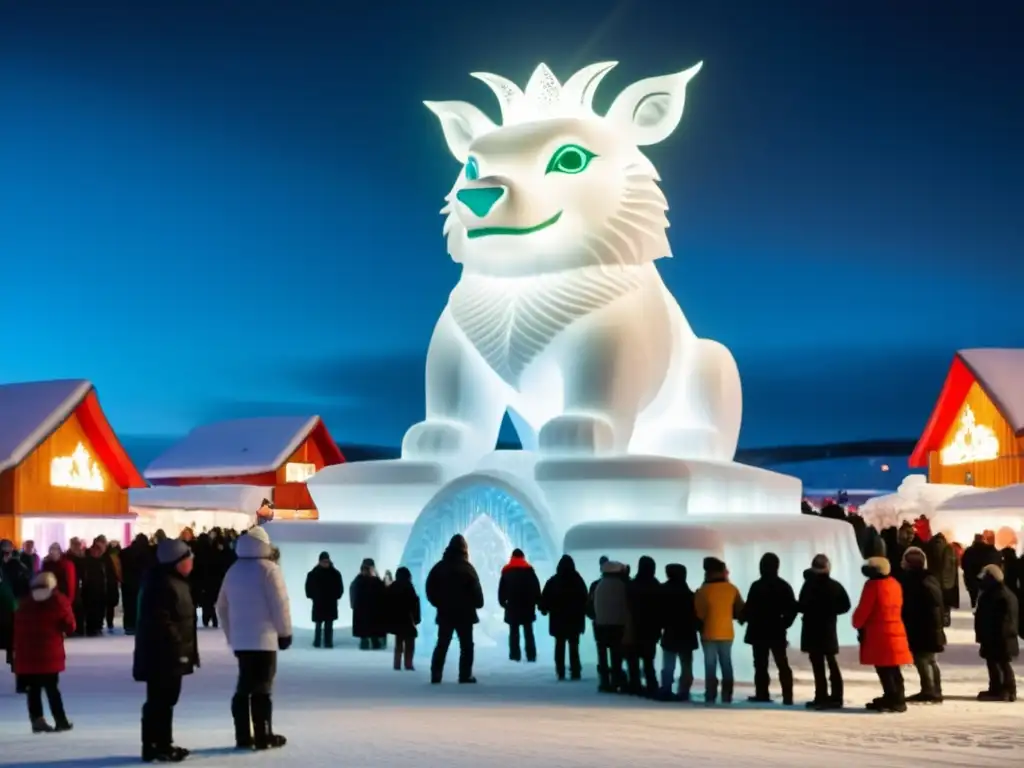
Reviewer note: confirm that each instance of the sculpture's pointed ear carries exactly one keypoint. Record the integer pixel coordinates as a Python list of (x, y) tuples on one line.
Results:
[(461, 122), (649, 110)]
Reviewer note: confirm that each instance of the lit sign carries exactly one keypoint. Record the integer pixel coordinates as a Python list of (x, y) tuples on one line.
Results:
[(972, 442), (298, 473), (77, 471)]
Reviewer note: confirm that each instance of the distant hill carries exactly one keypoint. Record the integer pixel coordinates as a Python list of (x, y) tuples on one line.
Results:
[(143, 449)]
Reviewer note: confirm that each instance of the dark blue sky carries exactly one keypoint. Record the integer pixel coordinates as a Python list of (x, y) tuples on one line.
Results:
[(216, 209)]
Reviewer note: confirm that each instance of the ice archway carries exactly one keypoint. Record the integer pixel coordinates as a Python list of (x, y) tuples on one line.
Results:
[(495, 516)]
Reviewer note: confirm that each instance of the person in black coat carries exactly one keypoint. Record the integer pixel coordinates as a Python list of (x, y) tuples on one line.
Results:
[(366, 596), (564, 601), (924, 618), (403, 609), (453, 588), (136, 560), (324, 587), (644, 632), (979, 554), (110, 555), (996, 623), (166, 647), (602, 671), (518, 594), (769, 612), (93, 578), (76, 554), (943, 566), (822, 601), (680, 631)]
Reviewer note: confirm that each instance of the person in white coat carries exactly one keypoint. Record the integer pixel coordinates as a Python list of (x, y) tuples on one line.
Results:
[(256, 619)]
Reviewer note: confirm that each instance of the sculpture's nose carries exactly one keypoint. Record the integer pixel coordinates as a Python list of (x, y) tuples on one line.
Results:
[(480, 200)]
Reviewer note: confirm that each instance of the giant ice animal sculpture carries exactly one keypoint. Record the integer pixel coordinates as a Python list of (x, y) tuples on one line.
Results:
[(560, 316), (629, 421)]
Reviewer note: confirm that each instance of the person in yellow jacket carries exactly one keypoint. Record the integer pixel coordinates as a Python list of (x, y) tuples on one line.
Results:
[(717, 604)]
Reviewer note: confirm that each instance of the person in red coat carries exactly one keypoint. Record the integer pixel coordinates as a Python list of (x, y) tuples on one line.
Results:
[(61, 567), (40, 624), (883, 638)]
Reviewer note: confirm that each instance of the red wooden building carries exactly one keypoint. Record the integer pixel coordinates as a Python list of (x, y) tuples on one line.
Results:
[(975, 435), (63, 472), (271, 457)]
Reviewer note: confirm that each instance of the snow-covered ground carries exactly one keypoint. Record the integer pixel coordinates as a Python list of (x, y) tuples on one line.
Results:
[(348, 708)]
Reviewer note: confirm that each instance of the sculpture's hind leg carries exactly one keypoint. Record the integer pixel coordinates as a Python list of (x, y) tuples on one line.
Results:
[(710, 409)]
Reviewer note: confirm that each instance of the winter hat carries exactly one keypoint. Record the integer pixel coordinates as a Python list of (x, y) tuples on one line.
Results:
[(259, 534), (324, 556), (914, 559), (876, 566), (172, 552), (44, 580), (458, 544), (602, 560), (992, 571), (517, 552), (821, 564)]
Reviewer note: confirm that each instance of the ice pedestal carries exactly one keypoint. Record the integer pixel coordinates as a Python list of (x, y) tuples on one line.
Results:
[(740, 541), (404, 512), (365, 509)]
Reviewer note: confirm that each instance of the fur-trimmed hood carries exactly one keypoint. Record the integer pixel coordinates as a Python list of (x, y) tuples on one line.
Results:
[(877, 568)]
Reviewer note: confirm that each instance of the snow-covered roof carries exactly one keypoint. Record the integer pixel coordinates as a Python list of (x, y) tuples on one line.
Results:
[(1007, 497), (231, 498), (1000, 373), (233, 448), (31, 411)]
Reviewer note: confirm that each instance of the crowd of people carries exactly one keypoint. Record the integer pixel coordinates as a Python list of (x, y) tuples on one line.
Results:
[(166, 587)]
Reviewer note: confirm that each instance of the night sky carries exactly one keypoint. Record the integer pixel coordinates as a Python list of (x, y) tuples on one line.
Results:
[(218, 209)]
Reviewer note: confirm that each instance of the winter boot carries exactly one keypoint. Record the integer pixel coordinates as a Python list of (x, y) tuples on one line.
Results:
[(62, 726), (263, 724), (172, 754), (243, 728), (786, 684), (727, 686), (317, 635), (398, 658), (39, 725), (710, 691), (666, 684)]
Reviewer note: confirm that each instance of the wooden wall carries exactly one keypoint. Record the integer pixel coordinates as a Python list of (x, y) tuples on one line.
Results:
[(295, 496), (33, 494), (1006, 470)]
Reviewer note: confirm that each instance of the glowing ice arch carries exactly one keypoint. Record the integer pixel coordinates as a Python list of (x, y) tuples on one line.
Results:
[(560, 316)]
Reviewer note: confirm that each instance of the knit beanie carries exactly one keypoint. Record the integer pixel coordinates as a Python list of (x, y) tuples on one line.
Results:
[(713, 565), (172, 551)]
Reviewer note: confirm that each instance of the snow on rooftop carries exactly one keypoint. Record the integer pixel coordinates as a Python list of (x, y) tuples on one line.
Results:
[(1000, 372), (229, 448), (31, 411), (232, 498)]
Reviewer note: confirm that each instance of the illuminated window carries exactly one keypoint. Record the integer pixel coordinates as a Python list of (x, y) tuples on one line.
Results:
[(972, 442), (77, 471), (295, 472)]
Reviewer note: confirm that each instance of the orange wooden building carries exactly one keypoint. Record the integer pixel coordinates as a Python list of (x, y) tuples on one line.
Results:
[(63, 472), (975, 435), (218, 467)]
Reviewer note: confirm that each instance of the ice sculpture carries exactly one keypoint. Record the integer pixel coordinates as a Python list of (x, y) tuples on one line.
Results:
[(628, 419), (560, 314)]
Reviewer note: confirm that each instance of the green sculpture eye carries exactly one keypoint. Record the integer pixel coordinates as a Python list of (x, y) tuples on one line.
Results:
[(472, 169), (570, 158)]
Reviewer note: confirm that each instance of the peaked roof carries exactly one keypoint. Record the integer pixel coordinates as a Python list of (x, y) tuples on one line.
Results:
[(241, 447), (31, 411), (999, 373)]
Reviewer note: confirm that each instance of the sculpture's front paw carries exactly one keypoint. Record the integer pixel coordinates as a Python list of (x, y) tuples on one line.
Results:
[(572, 435), (431, 440)]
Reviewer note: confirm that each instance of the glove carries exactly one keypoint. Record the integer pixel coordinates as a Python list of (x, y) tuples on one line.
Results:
[(284, 643)]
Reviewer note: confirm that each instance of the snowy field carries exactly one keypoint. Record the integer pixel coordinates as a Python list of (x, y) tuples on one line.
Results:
[(348, 708)]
